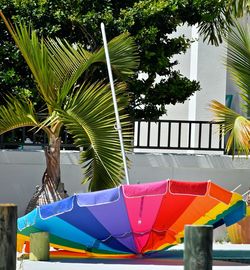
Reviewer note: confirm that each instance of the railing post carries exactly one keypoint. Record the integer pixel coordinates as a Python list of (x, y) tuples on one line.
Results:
[(1, 142), (138, 133), (39, 246), (198, 247), (159, 135), (8, 228), (149, 130)]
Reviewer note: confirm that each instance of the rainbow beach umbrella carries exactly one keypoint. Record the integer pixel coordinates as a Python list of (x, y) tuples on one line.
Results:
[(130, 219)]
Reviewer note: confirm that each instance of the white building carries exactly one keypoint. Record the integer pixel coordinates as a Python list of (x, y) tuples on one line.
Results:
[(204, 63)]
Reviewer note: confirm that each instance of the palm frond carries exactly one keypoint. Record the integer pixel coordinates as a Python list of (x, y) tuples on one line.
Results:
[(238, 7), (215, 30), (238, 60), (66, 58), (237, 126), (16, 113), (70, 62), (89, 117), (36, 56), (123, 55)]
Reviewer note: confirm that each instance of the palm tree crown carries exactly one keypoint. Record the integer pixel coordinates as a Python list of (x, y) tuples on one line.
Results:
[(238, 64), (84, 108)]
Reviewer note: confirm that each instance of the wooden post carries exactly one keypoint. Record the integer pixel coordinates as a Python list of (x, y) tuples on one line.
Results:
[(39, 246), (198, 243), (8, 229)]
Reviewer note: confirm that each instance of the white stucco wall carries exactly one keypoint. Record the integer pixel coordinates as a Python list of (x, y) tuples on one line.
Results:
[(21, 171)]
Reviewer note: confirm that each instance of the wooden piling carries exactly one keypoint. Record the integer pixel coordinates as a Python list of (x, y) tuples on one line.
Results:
[(8, 229), (198, 243), (39, 246)]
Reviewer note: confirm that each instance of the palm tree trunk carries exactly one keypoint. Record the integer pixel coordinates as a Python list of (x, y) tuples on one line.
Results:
[(51, 189)]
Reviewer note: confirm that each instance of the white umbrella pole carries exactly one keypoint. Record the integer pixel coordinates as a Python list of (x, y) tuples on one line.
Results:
[(118, 124)]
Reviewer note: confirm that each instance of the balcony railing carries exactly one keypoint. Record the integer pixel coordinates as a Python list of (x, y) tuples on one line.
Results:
[(159, 135), (179, 135), (28, 138)]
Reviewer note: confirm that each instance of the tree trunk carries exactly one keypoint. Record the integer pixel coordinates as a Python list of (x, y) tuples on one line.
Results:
[(51, 189)]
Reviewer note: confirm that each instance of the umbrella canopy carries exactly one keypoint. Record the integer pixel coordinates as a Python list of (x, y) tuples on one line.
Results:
[(131, 219)]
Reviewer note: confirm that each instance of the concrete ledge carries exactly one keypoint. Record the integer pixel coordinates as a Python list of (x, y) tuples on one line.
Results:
[(227, 251)]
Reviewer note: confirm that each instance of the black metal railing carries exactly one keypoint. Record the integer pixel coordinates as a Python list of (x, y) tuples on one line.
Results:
[(179, 135), (26, 137), (161, 134)]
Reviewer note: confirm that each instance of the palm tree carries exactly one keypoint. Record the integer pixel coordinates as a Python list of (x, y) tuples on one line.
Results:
[(238, 64), (84, 109), (215, 30)]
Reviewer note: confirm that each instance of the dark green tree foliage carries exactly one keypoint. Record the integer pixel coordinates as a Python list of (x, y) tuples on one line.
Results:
[(150, 22)]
